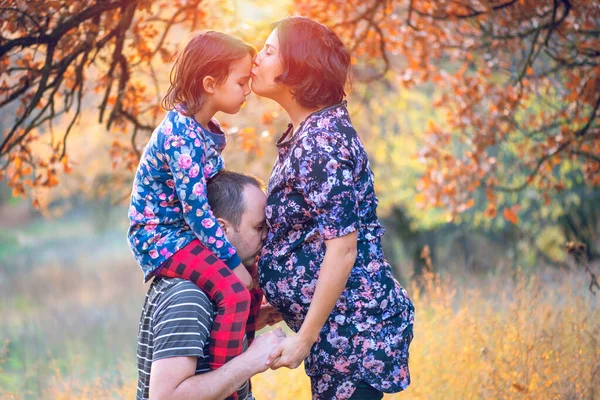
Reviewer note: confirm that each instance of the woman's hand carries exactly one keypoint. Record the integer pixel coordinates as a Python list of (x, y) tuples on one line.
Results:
[(267, 315), (290, 353)]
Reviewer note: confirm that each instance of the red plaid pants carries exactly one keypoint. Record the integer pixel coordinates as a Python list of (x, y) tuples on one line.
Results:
[(237, 308)]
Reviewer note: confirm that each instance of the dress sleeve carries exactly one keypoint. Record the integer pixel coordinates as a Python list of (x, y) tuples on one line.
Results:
[(323, 169), (186, 157)]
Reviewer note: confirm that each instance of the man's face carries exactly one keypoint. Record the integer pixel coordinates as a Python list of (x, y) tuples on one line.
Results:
[(249, 236)]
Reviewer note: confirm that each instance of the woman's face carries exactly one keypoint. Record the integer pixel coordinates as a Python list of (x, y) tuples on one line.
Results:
[(268, 66)]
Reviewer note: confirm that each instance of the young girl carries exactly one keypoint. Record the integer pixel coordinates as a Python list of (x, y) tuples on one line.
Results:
[(173, 232)]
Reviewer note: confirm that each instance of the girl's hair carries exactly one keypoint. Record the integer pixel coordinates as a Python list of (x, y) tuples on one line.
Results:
[(316, 64), (203, 54)]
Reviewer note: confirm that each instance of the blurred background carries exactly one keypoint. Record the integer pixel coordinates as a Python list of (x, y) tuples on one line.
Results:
[(481, 124)]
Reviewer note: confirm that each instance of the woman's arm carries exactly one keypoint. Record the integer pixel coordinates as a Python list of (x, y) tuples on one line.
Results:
[(323, 173), (335, 270)]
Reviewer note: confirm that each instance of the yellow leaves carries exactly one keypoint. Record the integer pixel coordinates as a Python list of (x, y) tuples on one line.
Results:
[(420, 198), (66, 166), (431, 126)]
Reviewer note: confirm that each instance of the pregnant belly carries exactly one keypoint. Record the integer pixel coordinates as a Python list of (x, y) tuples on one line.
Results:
[(290, 291), (371, 293)]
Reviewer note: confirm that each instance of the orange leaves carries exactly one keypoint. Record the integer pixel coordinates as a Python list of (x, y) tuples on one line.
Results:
[(250, 141), (510, 214), (268, 117), (530, 70), (51, 178), (491, 211), (17, 162)]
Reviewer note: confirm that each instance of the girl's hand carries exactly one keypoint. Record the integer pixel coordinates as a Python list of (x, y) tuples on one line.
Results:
[(290, 353)]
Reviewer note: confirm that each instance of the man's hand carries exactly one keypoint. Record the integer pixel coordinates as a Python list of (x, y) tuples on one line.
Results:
[(258, 352), (267, 315), (290, 353), (243, 275)]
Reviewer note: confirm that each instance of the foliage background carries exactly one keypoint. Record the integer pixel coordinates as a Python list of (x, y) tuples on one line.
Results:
[(503, 311)]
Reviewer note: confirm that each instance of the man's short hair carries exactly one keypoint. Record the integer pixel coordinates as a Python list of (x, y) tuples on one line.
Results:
[(226, 195)]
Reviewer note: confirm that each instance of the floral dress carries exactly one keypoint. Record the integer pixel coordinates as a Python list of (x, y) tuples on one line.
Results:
[(321, 188), (169, 205)]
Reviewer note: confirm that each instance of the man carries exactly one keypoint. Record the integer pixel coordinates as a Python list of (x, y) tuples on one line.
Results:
[(177, 316)]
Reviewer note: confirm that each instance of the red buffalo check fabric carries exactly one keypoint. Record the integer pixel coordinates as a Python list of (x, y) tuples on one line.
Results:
[(196, 263)]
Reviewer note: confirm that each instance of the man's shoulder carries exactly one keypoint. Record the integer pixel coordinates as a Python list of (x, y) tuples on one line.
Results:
[(165, 292)]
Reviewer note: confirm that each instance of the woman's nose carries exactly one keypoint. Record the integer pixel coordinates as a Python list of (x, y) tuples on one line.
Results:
[(256, 61)]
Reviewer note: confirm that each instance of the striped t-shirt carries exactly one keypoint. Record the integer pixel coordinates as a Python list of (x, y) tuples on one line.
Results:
[(176, 320)]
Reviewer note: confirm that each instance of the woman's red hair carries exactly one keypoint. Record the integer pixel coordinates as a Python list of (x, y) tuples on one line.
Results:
[(316, 64)]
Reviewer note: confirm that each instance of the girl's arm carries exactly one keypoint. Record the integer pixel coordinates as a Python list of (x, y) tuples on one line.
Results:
[(185, 155)]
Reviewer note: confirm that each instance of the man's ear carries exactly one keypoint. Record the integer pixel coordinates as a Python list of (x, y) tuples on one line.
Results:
[(210, 84), (225, 225)]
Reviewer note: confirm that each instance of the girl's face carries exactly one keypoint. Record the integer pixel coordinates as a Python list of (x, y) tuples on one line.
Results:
[(231, 94), (268, 66)]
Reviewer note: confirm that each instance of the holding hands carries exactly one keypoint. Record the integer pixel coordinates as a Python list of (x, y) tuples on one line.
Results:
[(261, 347), (290, 352)]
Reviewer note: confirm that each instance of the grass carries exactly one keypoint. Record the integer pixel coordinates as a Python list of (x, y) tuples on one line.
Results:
[(69, 326)]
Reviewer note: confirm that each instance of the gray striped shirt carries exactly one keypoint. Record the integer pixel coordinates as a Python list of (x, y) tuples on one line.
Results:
[(176, 320)]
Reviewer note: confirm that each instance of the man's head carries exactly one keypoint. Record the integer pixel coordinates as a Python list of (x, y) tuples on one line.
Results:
[(238, 203)]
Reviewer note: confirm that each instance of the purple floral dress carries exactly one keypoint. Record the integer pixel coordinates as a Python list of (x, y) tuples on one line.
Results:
[(321, 188)]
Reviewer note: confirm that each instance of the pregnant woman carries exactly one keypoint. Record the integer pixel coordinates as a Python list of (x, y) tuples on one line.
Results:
[(322, 265)]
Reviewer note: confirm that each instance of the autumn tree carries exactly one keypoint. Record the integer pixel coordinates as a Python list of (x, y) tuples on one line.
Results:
[(518, 81), (54, 52)]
